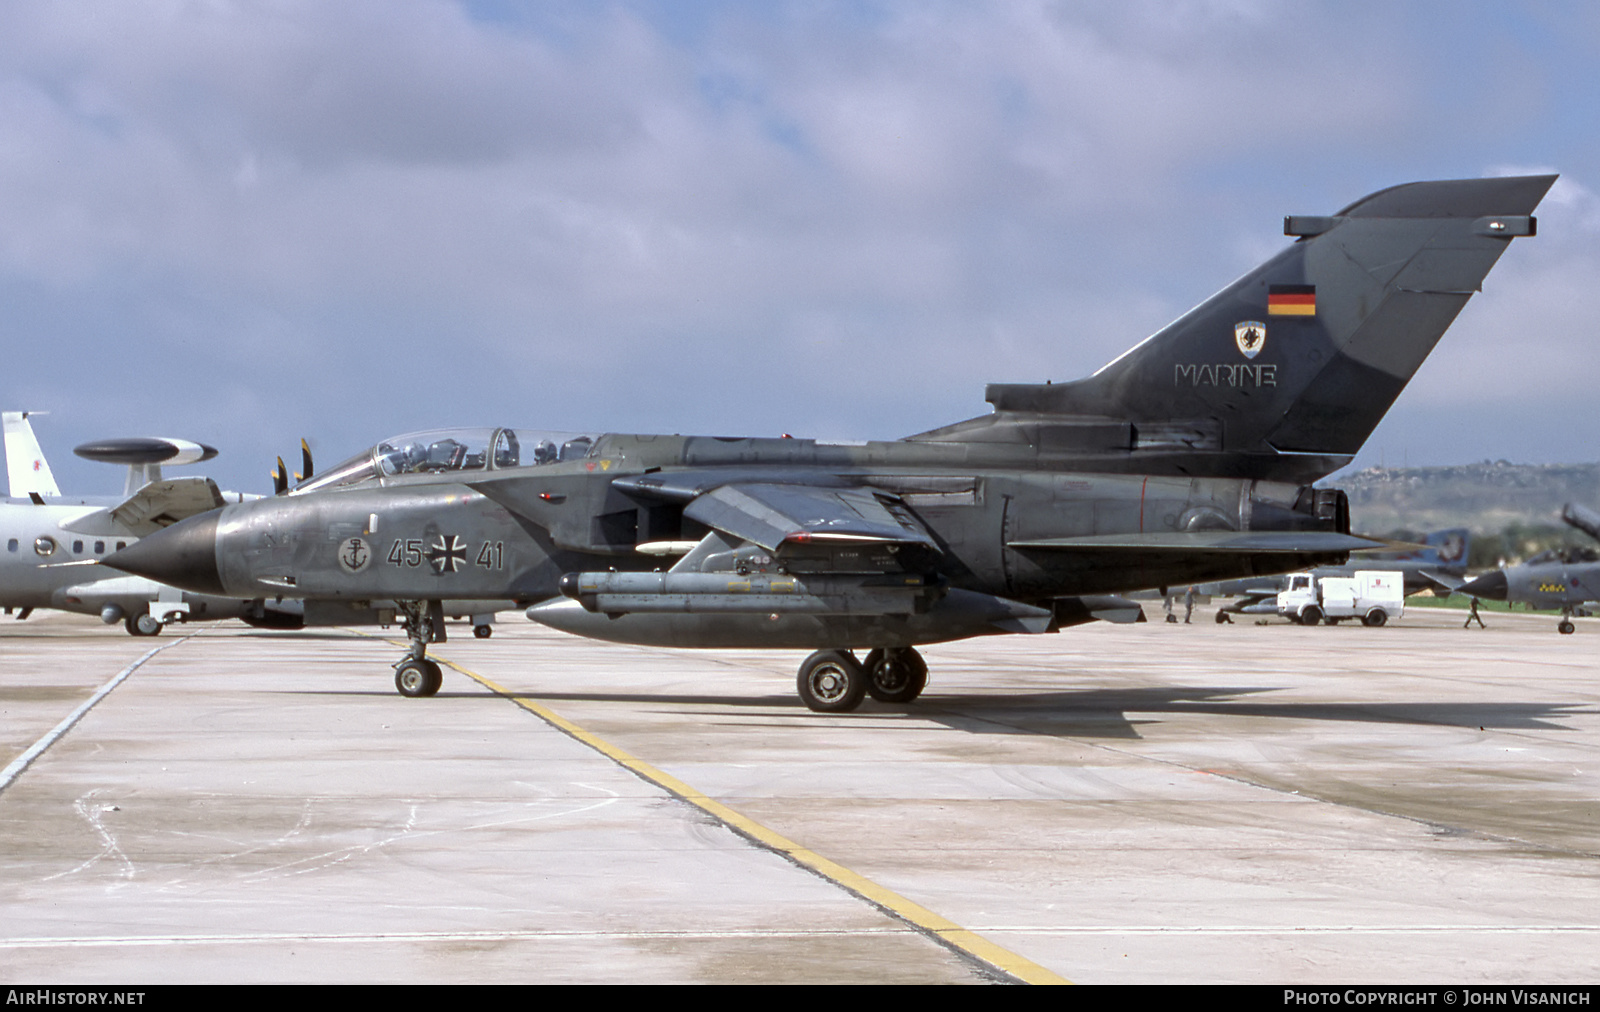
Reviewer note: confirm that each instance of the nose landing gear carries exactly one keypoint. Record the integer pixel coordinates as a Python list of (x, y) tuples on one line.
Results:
[(415, 676)]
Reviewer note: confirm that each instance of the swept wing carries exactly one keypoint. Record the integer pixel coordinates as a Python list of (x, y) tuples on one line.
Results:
[(156, 505)]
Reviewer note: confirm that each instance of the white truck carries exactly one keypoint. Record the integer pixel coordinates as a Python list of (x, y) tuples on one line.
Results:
[(1373, 596)]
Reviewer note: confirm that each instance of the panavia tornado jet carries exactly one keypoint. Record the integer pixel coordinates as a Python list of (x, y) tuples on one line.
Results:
[(1188, 459), (1563, 579)]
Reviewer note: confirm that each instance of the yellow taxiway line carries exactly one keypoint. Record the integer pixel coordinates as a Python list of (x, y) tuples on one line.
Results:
[(944, 930)]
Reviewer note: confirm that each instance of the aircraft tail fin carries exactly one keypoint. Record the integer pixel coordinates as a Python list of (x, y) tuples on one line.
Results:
[(1447, 548), (29, 471), (1287, 371), (1581, 517)]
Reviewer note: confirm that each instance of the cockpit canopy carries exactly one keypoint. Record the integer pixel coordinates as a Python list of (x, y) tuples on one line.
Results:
[(437, 451)]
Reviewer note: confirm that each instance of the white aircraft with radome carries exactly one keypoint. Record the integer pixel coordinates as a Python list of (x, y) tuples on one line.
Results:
[(51, 542)]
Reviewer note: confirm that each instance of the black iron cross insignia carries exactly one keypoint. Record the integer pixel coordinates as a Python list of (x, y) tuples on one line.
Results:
[(447, 554)]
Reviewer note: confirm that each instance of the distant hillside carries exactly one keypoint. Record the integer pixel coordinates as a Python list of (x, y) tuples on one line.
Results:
[(1498, 499)]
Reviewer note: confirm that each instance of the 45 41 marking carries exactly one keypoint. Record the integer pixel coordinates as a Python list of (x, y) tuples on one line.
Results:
[(446, 553)]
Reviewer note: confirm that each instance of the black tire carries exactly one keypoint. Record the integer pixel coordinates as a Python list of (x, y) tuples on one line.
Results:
[(897, 675), (1375, 618), (1311, 616), (141, 625), (832, 681), (1222, 618), (1566, 628), (418, 679), (483, 632)]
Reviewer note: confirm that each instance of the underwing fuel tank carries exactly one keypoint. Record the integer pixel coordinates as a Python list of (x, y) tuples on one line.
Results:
[(621, 593), (681, 618)]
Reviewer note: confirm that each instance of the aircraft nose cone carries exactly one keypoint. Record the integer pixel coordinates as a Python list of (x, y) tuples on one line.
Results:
[(1489, 587), (183, 555)]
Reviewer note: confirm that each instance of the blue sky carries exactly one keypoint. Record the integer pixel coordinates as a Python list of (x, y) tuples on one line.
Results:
[(243, 223)]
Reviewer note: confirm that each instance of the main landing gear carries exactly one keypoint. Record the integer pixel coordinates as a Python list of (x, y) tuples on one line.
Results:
[(833, 681), (143, 624), (1566, 628), (416, 676)]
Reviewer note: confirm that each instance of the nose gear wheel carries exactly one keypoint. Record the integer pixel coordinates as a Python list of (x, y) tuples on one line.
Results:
[(416, 679)]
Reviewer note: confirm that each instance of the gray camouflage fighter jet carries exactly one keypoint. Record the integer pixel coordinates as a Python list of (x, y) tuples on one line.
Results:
[(1563, 579), (1186, 460)]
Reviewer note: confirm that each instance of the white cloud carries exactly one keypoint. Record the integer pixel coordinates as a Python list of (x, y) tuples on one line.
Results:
[(833, 216)]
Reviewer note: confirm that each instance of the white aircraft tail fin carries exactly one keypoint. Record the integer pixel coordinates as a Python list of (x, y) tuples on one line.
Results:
[(29, 471)]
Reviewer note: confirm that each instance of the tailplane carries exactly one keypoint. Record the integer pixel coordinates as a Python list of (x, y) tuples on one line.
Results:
[(1286, 372)]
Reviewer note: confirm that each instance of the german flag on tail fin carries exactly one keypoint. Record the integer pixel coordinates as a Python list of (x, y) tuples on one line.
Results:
[(1292, 300)]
